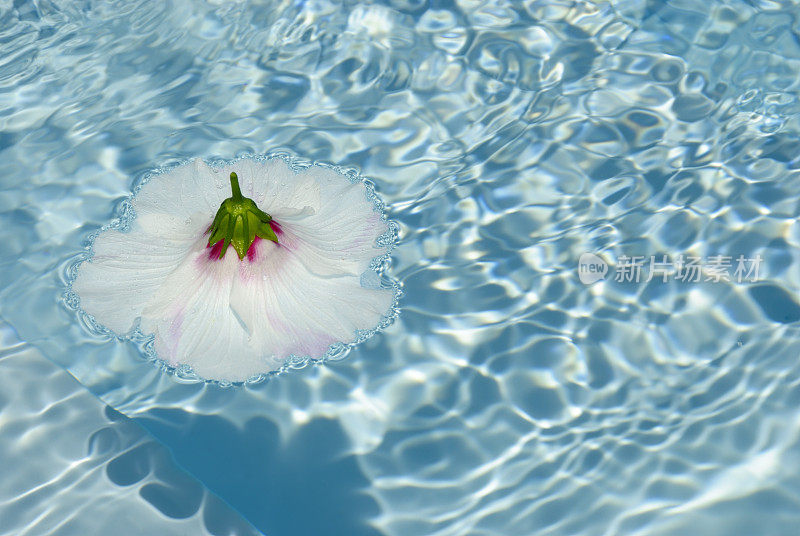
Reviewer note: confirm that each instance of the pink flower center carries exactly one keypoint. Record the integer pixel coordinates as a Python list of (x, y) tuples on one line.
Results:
[(215, 250)]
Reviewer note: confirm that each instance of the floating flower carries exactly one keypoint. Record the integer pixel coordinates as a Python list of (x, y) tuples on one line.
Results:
[(234, 287)]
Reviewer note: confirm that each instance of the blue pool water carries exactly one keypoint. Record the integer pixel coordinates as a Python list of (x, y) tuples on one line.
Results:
[(507, 139)]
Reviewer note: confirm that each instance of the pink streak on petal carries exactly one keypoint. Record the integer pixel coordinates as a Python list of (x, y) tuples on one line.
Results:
[(174, 333), (216, 249), (287, 241), (251, 251), (315, 345)]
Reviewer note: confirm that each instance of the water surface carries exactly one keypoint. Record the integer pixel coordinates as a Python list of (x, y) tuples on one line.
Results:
[(507, 139)]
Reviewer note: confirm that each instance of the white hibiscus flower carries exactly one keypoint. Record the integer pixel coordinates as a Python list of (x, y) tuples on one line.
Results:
[(276, 274)]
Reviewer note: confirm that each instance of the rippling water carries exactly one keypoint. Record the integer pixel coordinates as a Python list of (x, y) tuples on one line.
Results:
[(507, 139)]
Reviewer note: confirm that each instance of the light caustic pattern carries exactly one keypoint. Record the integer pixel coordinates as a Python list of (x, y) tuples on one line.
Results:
[(73, 466), (507, 139)]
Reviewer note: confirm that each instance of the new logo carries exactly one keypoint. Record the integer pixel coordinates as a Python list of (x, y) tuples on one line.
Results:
[(591, 268)]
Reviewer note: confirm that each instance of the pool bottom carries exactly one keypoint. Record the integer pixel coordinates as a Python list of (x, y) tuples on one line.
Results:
[(82, 468)]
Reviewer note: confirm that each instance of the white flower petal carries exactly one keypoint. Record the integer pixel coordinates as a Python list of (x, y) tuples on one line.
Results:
[(342, 241), (192, 188), (273, 185), (193, 322), (291, 310), (124, 273)]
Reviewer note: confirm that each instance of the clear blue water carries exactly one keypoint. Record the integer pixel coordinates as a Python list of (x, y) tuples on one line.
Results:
[(507, 139)]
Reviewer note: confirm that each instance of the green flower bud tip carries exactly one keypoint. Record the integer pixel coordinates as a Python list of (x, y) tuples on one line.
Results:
[(238, 222)]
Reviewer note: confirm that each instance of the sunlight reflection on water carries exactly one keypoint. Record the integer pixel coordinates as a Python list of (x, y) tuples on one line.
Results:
[(507, 139)]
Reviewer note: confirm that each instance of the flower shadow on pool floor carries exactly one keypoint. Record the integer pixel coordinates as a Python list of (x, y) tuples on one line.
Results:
[(306, 485)]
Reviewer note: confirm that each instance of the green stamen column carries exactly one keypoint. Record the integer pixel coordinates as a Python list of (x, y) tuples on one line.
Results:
[(239, 221)]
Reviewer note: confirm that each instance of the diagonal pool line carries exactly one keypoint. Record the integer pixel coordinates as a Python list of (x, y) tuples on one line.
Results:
[(89, 459)]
